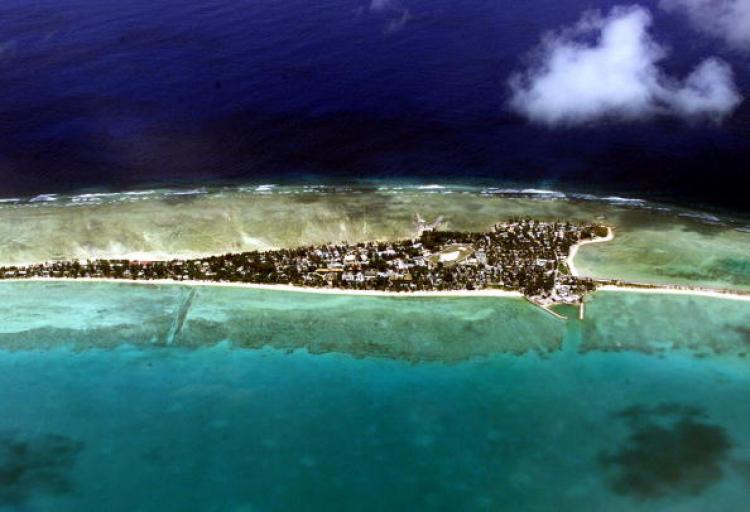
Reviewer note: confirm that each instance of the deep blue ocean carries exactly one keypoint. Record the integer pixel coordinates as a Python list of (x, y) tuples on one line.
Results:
[(119, 95)]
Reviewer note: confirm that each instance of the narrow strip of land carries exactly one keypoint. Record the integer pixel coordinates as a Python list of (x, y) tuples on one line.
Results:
[(520, 255), (279, 287), (519, 258)]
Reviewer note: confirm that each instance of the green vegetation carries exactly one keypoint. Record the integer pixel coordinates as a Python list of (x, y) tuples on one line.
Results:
[(520, 254)]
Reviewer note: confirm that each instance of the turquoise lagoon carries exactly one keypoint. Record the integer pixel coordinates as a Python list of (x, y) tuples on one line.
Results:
[(129, 397)]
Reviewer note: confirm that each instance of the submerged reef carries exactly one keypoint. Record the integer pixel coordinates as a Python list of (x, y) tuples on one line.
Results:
[(34, 465), (671, 449), (84, 315), (659, 323)]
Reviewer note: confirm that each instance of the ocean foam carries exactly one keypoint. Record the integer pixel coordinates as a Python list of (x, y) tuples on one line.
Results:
[(191, 192), (525, 192), (624, 200), (44, 198), (703, 217)]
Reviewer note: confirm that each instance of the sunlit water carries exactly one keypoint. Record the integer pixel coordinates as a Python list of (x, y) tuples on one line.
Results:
[(110, 405)]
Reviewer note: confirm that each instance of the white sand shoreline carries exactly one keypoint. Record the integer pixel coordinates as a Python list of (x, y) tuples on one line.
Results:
[(666, 290), (574, 250), (277, 287), (657, 289)]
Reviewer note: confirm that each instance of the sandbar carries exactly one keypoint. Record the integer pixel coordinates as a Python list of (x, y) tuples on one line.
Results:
[(574, 250)]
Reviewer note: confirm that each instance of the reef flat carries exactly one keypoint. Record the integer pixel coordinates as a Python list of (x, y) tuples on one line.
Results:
[(85, 315), (659, 323), (82, 315)]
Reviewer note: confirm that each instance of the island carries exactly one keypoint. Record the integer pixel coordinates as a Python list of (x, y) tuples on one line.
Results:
[(520, 255)]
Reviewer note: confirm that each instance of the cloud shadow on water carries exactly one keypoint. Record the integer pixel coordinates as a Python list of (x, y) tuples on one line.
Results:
[(35, 465), (671, 449)]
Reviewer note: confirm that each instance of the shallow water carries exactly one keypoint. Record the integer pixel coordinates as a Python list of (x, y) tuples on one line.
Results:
[(658, 323), (92, 422), (671, 251), (103, 315)]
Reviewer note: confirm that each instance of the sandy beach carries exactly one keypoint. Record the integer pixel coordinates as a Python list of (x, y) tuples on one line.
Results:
[(665, 290), (574, 249), (281, 287)]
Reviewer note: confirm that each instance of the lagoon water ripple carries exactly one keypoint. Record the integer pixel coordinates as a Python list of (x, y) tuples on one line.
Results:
[(448, 415)]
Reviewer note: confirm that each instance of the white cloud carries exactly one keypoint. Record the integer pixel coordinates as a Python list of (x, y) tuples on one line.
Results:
[(725, 19), (606, 67), (707, 92)]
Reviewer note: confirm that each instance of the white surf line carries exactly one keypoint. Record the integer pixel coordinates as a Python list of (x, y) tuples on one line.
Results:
[(574, 250)]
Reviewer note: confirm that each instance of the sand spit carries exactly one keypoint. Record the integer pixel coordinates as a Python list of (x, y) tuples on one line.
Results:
[(667, 290), (574, 249)]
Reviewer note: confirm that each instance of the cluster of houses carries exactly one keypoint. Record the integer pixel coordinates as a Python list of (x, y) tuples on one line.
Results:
[(520, 254)]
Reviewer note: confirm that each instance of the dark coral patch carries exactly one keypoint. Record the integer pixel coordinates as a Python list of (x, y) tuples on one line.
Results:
[(671, 449), (744, 332), (35, 465)]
